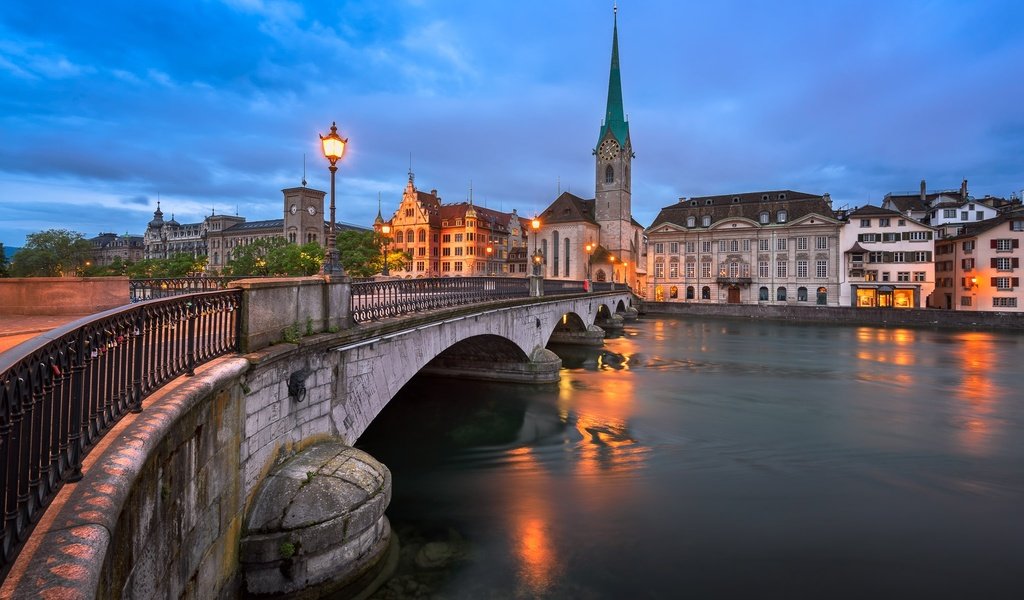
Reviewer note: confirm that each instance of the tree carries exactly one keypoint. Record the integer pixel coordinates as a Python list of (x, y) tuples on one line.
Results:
[(360, 253), (3, 261), (52, 253), (276, 256)]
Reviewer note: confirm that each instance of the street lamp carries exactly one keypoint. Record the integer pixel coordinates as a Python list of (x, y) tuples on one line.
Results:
[(385, 229), (537, 256), (590, 255), (334, 148), (615, 275), (490, 251)]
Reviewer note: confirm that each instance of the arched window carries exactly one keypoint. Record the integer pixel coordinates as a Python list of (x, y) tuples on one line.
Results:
[(673, 292), (609, 174), (567, 254), (410, 236), (780, 294), (781, 216), (764, 217), (554, 259), (659, 292), (823, 295), (690, 292), (691, 221), (705, 293), (801, 294), (762, 294), (399, 237), (705, 221), (423, 236), (734, 269)]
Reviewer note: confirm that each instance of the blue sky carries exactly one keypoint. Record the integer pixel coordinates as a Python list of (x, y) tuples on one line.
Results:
[(107, 105)]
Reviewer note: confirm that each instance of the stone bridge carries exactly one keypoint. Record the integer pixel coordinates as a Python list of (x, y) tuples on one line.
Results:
[(168, 498)]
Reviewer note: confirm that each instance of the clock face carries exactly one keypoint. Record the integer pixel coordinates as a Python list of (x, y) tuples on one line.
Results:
[(294, 209), (609, 149), (311, 209)]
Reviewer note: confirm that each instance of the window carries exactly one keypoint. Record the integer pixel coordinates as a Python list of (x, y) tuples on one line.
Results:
[(781, 216), (691, 270), (903, 276), (801, 294), (801, 243), (801, 269), (673, 292), (446, 266), (458, 222), (899, 257), (673, 270), (867, 237), (876, 257), (1016, 225), (691, 221), (609, 174), (423, 238), (705, 293), (919, 236), (762, 270), (1003, 263), (883, 222), (705, 221), (722, 245), (691, 247), (821, 242), (659, 270), (1004, 245), (469, 237), (399, 237), (780, 243), (924, 256), (446, 251), (446, 238), (968, 246), (964, 215), (919, 276), (410, 212), (734, 270), (421, 251), (705, 246), (458, 251), (458, 237), (762, 294), (965, 301), (865, 222), (673, 247), (690, 292), (746, 245), (949, 213), (659, 248), (763, 218), (821, 269), (781, 268), (458, 265), (763, 245), (1004, 302), (780, 294), (705, 269), (419, 265), (1005, 283)]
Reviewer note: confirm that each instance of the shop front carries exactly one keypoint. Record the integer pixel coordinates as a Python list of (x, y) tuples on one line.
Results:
[(885, 296)]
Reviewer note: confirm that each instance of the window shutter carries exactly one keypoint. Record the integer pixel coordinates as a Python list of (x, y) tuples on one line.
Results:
[(992, 243), (1015, 281), (928, 256), (1016, 243), (992, 263), (963, 282), (929, 234), (860, 237), (1015, 262), (905, 235)]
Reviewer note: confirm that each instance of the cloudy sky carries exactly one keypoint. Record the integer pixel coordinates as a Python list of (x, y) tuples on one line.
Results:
[(211, 104)]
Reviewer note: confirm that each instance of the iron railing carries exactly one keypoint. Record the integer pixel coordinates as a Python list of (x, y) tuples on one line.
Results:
[(608, 286), (554, 287), (390, 298), (150, 289), (60, 392)]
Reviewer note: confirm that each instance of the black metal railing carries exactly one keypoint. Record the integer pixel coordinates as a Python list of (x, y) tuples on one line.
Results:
[(150, 289), (60, 392), (609, 286), (554, 287), (382, 299)]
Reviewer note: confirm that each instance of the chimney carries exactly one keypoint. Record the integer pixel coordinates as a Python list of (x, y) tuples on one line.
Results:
[(828, 199), (963, 190), (924, 192)]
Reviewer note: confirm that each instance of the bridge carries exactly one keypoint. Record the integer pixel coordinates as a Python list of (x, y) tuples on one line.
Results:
[(134, 443)]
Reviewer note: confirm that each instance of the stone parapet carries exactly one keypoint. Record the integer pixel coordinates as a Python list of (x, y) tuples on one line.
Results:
[(276, 309), (61, 295)]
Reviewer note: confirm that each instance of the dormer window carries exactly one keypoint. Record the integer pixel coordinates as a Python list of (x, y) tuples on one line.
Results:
[(764, 197), (782, 196), (764, 217), (781, 216), (693, 203), (458, 222), (709, 202), (735, 199), (691, 221), (706, 221)]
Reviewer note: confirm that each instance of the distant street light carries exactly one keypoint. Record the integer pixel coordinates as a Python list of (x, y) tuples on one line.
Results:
[(385, 229), (334, 148), (590, 255), (537, 256), (490, 251)]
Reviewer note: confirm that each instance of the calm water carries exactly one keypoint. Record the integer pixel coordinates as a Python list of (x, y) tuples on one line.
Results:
[(709, 459)]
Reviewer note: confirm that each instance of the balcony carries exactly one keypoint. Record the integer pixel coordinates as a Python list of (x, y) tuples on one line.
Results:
[(744, 281)]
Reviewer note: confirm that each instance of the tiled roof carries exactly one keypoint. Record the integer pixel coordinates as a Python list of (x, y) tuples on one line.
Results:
[(747, 206), (977, 228), (569, 208), (869, 210)]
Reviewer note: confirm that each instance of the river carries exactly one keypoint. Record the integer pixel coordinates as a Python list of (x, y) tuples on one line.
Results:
[(719, 459)]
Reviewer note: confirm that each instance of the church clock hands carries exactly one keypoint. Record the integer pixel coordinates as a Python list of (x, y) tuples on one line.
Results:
[(294, 209), (609, 149), (311, 209)]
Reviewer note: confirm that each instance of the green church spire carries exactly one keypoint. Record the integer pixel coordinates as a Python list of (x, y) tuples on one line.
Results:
[(614, 114)]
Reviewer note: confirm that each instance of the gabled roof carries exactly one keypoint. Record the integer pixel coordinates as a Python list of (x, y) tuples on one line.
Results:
[(569, 208), (974, 229), (748, 205), (906, 203), (488, 217), (869, 210)]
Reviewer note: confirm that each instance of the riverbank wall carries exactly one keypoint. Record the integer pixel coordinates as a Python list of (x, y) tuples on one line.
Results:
[(844, 315)]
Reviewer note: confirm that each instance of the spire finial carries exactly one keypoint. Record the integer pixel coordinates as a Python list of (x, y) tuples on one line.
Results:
[(411, 177), (303, 169)]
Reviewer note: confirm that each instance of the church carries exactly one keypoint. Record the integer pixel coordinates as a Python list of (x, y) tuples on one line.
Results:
[(598, 238)]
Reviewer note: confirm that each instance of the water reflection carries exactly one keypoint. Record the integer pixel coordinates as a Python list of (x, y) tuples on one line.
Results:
[(977, 396)]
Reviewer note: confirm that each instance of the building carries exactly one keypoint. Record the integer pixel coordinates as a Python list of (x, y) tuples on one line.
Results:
[(979, 269), (217, 236), (774, 247), (947, 211), (460, 239), (108, 247), (570, 223), (887, 260)]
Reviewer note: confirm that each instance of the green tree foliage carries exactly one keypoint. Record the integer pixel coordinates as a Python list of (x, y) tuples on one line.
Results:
[(3, 261), (276, 256), (361, 253), (52, 253)]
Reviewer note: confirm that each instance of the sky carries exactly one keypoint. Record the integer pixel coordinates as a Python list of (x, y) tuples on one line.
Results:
[(216, 105)]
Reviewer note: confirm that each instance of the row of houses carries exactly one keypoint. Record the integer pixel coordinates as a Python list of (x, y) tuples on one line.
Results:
[(786, 247)]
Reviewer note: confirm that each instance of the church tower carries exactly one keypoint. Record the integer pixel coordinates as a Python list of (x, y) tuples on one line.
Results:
[(612, 159)]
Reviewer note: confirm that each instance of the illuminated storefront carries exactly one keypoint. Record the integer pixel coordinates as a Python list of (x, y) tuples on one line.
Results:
[(885, 296)]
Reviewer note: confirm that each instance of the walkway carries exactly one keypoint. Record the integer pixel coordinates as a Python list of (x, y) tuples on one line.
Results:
[(15, 329)]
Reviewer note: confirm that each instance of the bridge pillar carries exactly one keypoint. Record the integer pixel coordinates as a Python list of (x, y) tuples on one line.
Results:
[(543, 367), (614, 323), (593, 336), (536, 285), (273, 307)]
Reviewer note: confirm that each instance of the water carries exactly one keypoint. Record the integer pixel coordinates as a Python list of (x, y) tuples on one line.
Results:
[(711, 459)]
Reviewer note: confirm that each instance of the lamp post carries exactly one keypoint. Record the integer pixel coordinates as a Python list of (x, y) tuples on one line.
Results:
[(537, 256), (334, 148), (590, 255), (385, 229), (615, 274), (490, 251)]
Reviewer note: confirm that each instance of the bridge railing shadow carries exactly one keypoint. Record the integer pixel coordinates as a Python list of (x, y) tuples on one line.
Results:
[(61, 391)]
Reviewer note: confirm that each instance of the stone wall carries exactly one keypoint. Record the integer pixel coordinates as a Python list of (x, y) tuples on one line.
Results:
[(61, 295), (885, 317), (275, 305)]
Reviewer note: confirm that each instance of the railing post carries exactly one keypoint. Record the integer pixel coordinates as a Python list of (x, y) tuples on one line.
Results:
[(190, 355), (137, 336), (74, 446)]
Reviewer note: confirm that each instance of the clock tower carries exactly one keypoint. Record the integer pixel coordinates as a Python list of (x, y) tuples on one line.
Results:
[(304, 215), (612, 159)]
